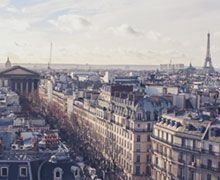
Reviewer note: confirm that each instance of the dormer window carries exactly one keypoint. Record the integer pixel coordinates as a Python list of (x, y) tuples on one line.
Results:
[(76, 171), (4, 171), (210, 148), (58, 175), (58, 172), (23, 171), (139, 116), (148, 116)]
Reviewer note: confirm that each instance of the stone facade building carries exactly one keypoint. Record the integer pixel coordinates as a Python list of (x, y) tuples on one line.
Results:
[(186, 146), (122, 121)]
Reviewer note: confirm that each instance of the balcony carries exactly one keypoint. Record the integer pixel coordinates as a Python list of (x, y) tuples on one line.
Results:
[(211, 152), (165, 155), (162, 170), (181, 161), (178, 146), (158, 168), (190, 148), (213, 169), (141, 129)]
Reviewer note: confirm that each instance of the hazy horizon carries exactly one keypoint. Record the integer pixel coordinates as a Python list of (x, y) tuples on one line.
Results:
[(109, 31)]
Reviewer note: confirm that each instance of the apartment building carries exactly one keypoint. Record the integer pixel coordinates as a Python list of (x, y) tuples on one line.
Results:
[(186, 146), (122, 122)]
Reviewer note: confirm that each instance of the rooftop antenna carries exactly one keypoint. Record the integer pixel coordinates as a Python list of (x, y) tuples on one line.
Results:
[(49, 63), (170, 65)]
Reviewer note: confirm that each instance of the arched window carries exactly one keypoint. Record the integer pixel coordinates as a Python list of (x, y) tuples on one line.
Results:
[(148, 115), (58, 172), (76, 171)]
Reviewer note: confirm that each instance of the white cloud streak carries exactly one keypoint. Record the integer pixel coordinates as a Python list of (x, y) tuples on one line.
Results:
[(70, 23), (126, 30), (4, 3)]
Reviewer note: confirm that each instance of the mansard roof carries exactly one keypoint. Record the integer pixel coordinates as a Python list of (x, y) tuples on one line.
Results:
[(48, 168)]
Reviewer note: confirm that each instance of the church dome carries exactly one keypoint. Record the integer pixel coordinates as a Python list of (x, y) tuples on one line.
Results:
[(8, 63)]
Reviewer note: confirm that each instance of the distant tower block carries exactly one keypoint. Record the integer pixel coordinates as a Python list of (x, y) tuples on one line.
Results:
[(8, 63), (208, 67)]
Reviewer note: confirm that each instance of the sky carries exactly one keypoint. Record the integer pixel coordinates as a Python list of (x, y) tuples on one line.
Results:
[(109, 31)]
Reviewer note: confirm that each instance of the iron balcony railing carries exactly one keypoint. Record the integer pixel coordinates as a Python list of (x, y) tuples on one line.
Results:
[(186, 147), (210, 168)]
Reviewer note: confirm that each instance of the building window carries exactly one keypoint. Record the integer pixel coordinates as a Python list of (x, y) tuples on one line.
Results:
[(209, 163), (170, 168), (164, 165), (170, 154), (194, 144), (166, 136), (76, 172), (158, 134), (23, 171), (148, 148), (171, 138), (138, 148), (210, 148), (148, 127), (139, 116), (4, 171), (138, 170), (148, 171), (156, 160), (209, 177), (58, 173), (191, 175), (148, 159), (181, 172), (165, 151), (138, 158), (148, 114), (148, 137), (192, 158), (138, 138), (183, 142), (180, 157), (155, 116), (157, 147)]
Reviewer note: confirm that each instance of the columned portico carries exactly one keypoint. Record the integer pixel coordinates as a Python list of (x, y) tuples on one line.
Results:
[(23, 85), (20, 80)]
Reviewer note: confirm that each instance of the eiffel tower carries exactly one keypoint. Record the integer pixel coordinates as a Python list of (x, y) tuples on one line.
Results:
[(208, 67)]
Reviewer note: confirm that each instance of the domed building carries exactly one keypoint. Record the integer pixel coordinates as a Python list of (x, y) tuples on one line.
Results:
[(8, 63), (190, 69)]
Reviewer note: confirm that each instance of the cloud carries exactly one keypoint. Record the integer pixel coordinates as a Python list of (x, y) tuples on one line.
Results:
[(126, 30), (14, 24), (135, 27), (20, 44), (70, 23), (155, 36), (4, 3), (216, 35), (12, 9)]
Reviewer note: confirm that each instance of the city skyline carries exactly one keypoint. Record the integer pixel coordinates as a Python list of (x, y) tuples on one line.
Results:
[(109, 32)]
